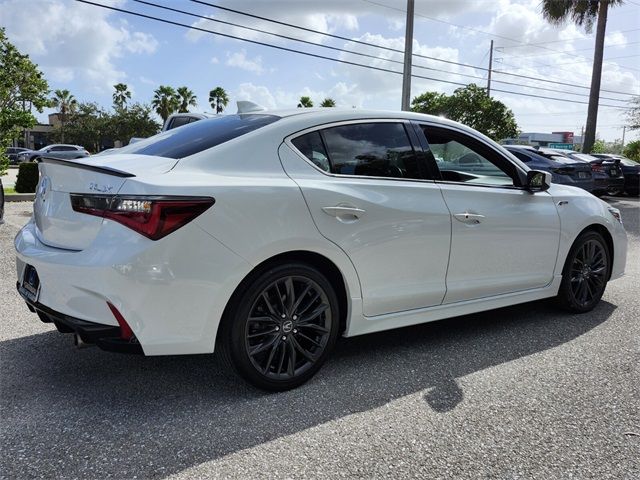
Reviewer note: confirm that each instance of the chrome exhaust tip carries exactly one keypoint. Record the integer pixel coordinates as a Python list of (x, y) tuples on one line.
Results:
[(78, 342)]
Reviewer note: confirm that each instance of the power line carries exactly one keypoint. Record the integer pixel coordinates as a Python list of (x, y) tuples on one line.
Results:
[(278, 22), (175, 10), (171, 22), (564, 40)]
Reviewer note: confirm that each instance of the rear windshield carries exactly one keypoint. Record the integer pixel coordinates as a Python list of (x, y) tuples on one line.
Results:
[(198, 136)]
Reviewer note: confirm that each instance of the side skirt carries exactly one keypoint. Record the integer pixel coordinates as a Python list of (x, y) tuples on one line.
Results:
[(360, 325)]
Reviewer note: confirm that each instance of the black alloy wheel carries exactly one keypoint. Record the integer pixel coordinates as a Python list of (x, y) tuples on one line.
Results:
[(585, 273), (283, 328)]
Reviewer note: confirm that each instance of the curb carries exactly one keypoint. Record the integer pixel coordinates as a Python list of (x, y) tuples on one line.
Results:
[(19, 197)]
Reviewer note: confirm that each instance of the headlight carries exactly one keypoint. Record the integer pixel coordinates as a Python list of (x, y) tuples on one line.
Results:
[(615, 213)]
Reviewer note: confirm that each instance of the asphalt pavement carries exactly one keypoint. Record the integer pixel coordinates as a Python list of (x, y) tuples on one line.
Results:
[(525, 392)]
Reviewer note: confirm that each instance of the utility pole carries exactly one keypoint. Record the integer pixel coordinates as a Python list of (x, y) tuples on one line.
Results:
[(408, 53), (624, 130), (490, 67)]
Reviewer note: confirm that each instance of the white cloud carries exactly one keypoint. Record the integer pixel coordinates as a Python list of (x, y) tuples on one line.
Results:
[(72, 41), (215, 60), (240, 60)]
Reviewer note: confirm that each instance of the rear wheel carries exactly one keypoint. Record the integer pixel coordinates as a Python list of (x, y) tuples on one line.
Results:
[(281, 328), (585, 273)]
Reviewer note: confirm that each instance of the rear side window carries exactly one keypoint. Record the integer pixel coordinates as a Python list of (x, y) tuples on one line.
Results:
[(522, 156), (312, 147), (178, 122), (199, 136), (371, 150)]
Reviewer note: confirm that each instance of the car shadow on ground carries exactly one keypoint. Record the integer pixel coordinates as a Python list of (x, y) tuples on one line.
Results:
[(105, 414)]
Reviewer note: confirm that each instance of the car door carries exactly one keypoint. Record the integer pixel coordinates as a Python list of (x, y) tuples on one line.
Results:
[(504, 238), (369, 192)]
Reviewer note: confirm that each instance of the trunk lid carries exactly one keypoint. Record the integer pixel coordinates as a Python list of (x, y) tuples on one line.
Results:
[(58, 225)]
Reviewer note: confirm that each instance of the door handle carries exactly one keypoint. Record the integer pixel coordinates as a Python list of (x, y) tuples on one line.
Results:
[(344, 213), (469, 218)]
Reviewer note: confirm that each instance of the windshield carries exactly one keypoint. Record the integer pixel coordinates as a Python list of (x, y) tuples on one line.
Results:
[(199, 136)]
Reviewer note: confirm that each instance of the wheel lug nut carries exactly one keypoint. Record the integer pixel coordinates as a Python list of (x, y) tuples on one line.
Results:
[(295, 317), (295, 331), (277, 328), (284, 337), (283, 315)]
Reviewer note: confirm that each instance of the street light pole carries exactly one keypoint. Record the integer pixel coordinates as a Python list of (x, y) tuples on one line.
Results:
[(490, 68), (408, 52)]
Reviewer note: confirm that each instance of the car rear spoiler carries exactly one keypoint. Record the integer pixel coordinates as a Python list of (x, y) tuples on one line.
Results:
[(85, 166)]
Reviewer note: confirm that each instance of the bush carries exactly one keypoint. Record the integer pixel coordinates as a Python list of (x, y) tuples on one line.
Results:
[(632, 150), (27, 177)]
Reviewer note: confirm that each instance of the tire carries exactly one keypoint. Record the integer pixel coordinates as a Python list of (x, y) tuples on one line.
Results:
[(585, 273), (280, 326)]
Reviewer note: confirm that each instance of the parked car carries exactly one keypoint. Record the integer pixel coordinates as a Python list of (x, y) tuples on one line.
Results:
[(12, 153), (630, 170), (61, 151), (564, 170), (176, 120), (607, 174), (264, 236)]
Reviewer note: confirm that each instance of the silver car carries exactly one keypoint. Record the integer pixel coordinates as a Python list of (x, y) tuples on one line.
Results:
[(62, 151)]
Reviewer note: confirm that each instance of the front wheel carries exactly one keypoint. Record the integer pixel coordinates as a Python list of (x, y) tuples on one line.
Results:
[(585, 273), (280, 329)]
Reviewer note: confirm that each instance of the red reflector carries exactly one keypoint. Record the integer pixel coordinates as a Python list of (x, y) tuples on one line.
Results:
[(125, 330), (595, 167), (153, 217)]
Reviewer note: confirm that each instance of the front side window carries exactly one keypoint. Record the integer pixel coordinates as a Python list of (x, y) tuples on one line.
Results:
[(371, 150), (463, 159)]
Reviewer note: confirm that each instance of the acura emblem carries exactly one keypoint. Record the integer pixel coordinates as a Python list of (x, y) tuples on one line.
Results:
[(43, 188)]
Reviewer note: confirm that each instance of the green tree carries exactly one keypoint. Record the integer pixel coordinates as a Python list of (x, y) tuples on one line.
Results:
[(22, 87), (165, 101), (218, 99), (135, 121), (599, 147), (121, 96), (66, 103), (633, 115), (186, 98), (328, 102), (88, 125), (584, 13), (632, 150), (472, 106), (305, 102)]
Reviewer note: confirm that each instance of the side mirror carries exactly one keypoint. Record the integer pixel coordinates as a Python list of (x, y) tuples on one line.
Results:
[(538, 181)]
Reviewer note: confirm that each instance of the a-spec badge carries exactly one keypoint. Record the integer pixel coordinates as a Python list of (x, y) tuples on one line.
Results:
[(96, 187)]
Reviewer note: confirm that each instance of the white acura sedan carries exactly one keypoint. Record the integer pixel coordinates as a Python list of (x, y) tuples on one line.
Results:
[(266, 235)]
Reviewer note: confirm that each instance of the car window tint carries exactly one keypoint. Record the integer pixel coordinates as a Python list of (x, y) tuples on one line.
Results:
[(522, 156), (311, 146), (460, 159), (372, 150), (179, 121), (199, 136)]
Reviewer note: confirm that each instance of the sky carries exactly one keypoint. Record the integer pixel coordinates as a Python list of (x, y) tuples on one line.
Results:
[(87, 49)]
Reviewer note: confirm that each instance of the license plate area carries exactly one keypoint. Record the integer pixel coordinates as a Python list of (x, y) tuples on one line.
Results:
[(614, 172), (30, 285), (583, 174)]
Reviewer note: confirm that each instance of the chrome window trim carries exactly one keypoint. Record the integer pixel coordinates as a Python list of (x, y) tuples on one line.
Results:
[(405, 122)]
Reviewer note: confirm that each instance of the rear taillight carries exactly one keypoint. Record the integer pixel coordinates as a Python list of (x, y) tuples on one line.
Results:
[(597, 167), (154, 217)]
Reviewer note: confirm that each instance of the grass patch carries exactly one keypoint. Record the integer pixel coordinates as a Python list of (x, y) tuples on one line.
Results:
[(8, 190)]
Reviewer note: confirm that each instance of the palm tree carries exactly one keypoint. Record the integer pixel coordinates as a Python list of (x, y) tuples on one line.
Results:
[(66, 103), (165, 101), (121, 95), (305, 102), (218, 99), (585, 13), (328, 102), (187, 99)]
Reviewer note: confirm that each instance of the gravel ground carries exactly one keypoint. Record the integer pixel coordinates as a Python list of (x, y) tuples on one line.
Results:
[(520, 392)]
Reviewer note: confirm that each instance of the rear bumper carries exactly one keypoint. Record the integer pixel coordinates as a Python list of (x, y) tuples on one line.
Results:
[(171, 292), (107, 337), (607, 183)]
